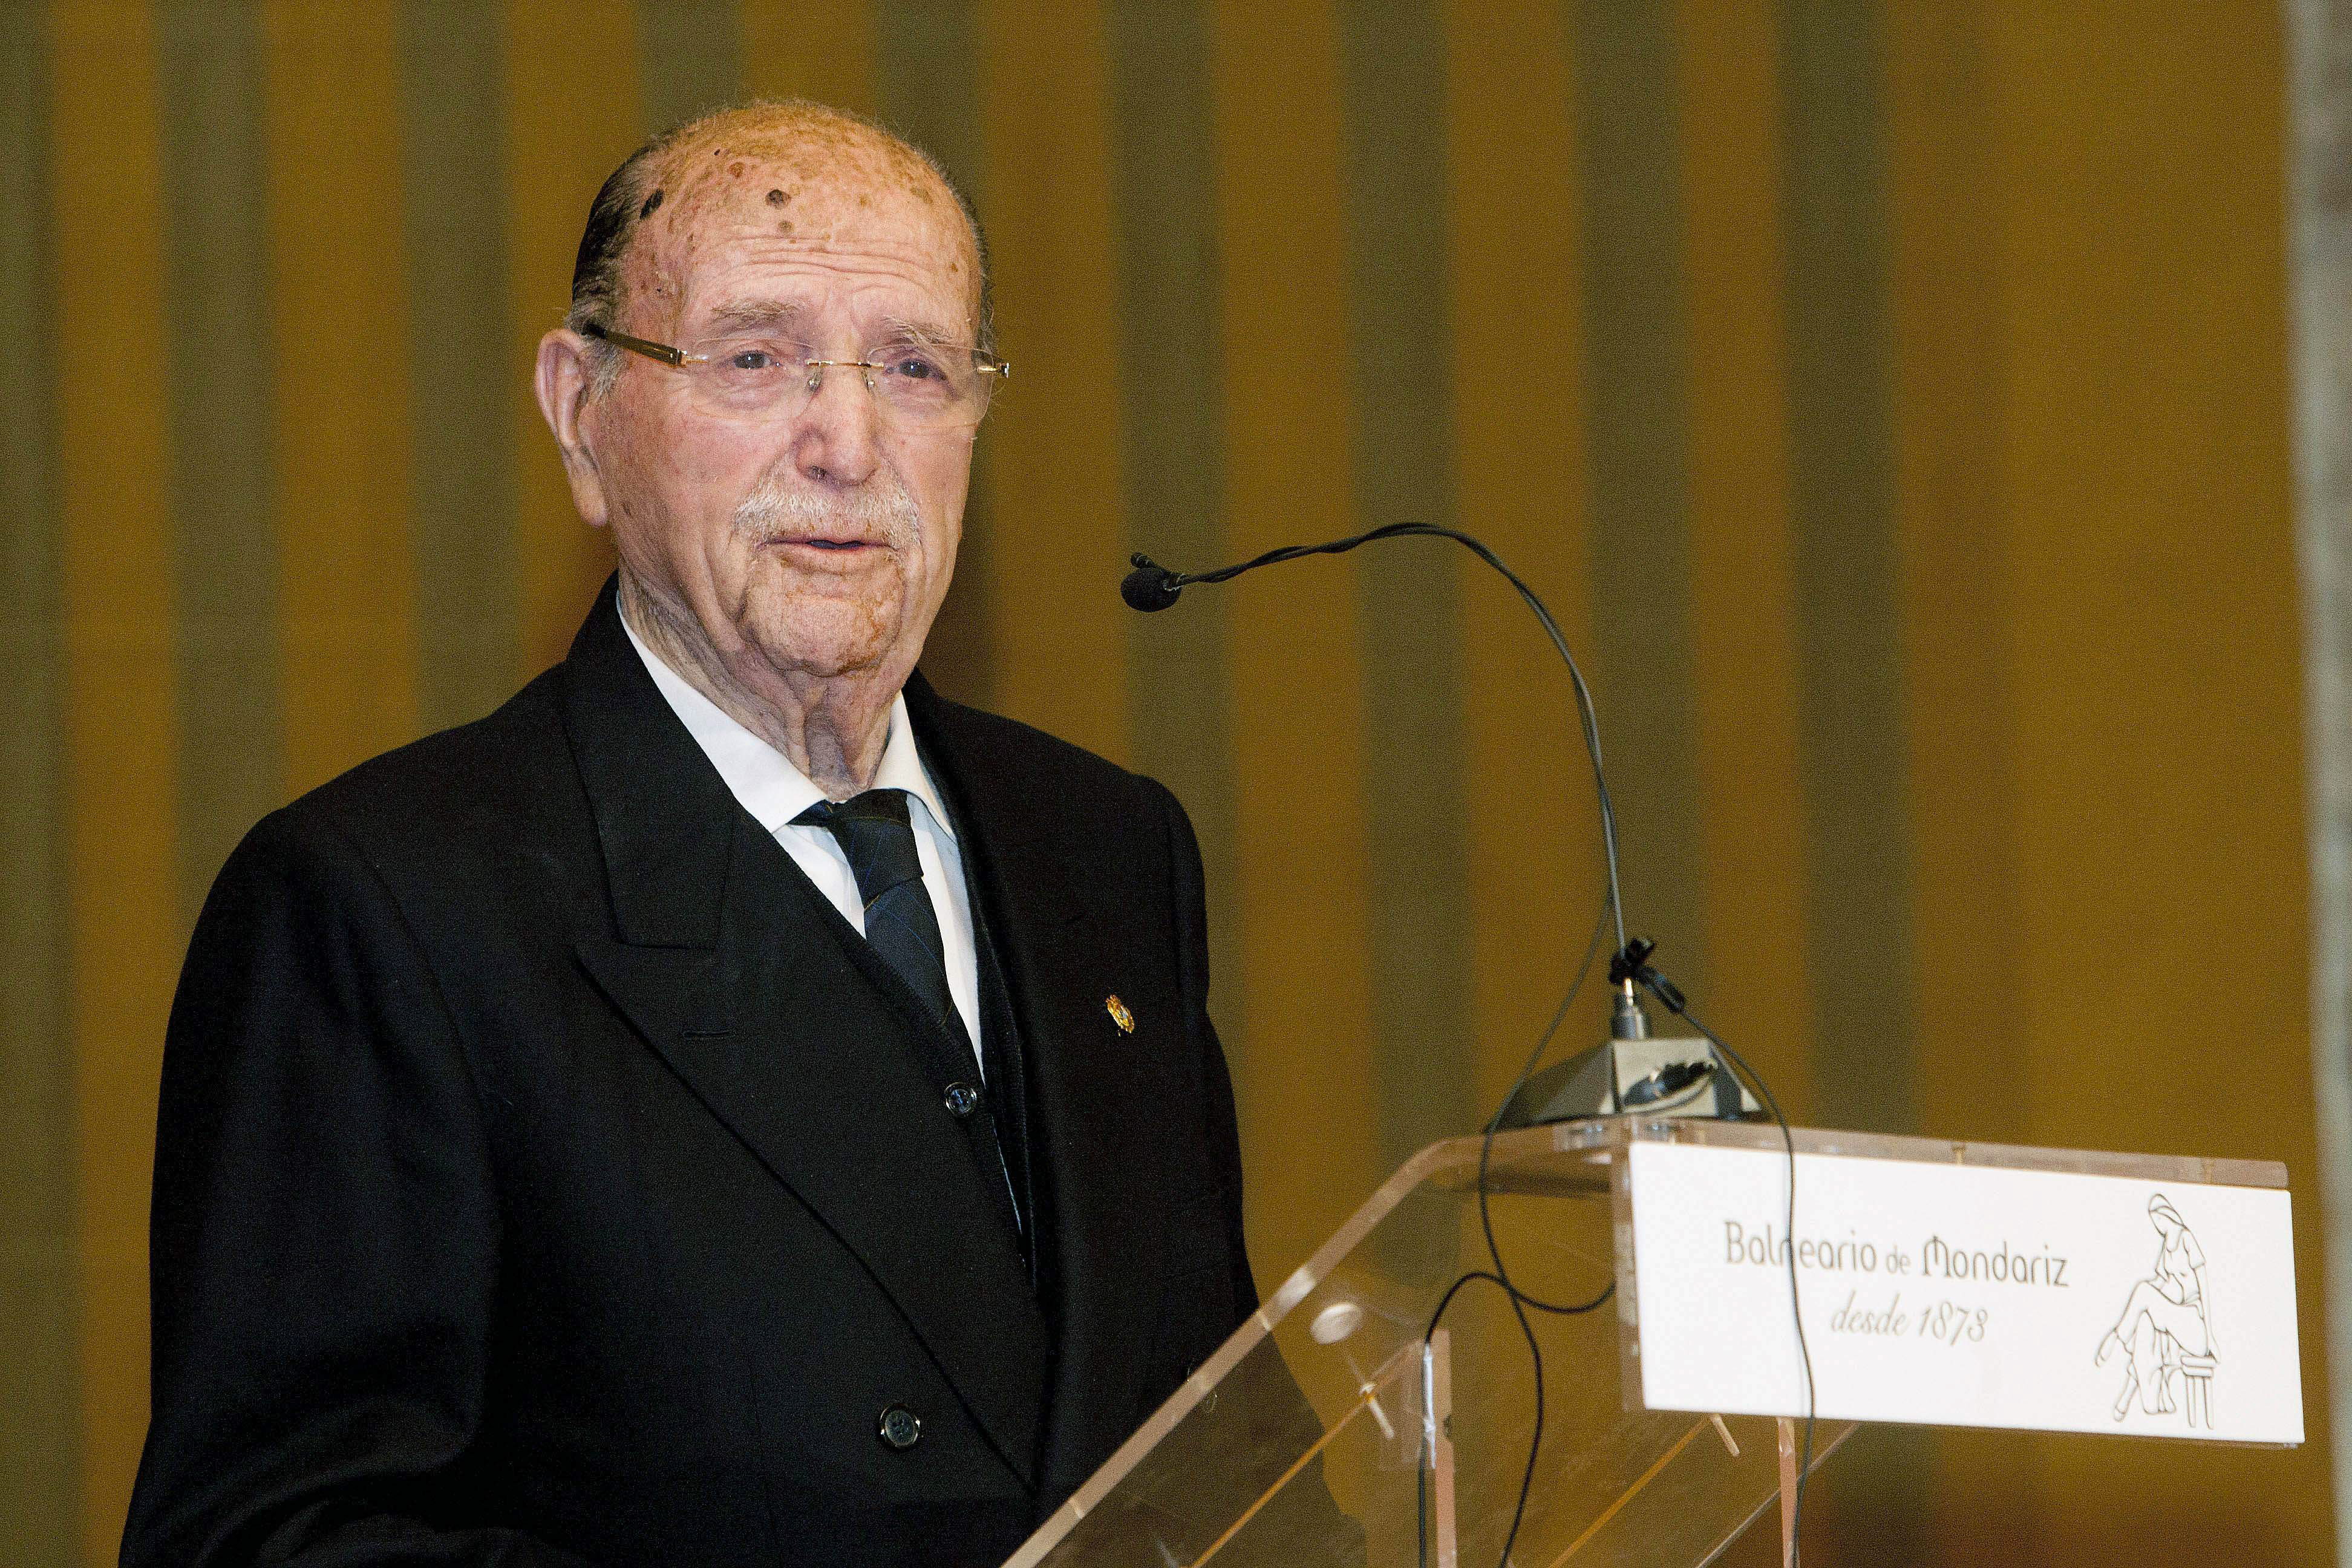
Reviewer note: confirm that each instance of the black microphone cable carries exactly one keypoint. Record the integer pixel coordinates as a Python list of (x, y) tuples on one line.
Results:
[(1671, 997), (1152, 587), (1519, 1300)]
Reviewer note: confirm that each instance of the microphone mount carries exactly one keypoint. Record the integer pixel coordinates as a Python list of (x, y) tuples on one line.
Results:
[(1631, 973)]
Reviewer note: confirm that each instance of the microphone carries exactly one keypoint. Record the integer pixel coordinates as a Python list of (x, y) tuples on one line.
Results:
[(1568, 1094), (1663, 1078), (1150, 586)]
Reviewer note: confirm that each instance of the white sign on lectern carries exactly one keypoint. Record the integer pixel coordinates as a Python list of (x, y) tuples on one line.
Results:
[(1957, 1295)]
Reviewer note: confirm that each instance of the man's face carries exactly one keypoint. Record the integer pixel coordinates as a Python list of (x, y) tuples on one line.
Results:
[(810, 543)]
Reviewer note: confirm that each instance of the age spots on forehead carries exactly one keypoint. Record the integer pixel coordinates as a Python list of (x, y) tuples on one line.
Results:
[(835, 180)]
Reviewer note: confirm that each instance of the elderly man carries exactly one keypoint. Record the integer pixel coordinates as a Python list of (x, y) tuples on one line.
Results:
[(731, 1105)]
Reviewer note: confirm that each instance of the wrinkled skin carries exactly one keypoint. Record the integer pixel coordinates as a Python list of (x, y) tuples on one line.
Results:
[(788, 568)]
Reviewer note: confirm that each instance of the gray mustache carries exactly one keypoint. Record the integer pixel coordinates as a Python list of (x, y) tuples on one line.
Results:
[(890, 513)]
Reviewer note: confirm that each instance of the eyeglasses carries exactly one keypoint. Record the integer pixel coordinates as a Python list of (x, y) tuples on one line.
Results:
[(756, 375)]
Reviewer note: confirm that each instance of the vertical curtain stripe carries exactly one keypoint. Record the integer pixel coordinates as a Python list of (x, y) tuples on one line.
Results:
[(1638, 401), (1393, 142), (1179, 682), (348, 644), (1974, 1060), (1533, 864), (1851, 725), (40, 1441), (2152, 650), (1743, 633), (1944, 196), (462, 370), (793, 49), (1298, 721), (115, 498), (220, 363), (928, 89), (1053, 437), (689, 58), (2186, 505), (562, 138)]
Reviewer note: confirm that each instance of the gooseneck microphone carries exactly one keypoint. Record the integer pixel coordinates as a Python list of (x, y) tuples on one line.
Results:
[(1152, 587)]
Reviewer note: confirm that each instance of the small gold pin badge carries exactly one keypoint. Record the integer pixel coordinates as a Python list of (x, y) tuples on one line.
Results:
[(1119, 1015)]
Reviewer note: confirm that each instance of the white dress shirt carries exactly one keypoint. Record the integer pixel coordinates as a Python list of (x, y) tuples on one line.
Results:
[(774, 791)]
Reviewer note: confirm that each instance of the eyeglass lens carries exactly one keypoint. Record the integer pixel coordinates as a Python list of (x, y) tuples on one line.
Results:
[(917, 383)]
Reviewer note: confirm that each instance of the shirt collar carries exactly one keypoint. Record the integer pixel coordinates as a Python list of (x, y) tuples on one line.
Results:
[(762, 778)]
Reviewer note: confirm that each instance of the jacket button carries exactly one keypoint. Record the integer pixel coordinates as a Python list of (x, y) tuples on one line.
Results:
[(962, 1100), (899, 1427)]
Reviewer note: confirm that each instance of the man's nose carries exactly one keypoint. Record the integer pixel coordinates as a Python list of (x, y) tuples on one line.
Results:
[(837, 437)]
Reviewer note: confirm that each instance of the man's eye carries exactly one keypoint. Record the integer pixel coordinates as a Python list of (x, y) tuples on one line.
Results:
[(913, 366), (755, 358)]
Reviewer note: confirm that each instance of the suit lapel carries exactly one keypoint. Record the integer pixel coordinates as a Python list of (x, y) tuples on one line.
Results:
[(1096, 1167), (723, 958)]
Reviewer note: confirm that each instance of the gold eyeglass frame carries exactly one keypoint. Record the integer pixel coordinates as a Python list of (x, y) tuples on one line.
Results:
[(986, 365)]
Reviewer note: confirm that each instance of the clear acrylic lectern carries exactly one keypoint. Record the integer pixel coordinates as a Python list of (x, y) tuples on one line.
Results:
[(1334, 1429)]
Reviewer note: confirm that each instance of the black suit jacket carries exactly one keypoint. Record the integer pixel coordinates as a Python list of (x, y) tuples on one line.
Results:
[(541, 1177)]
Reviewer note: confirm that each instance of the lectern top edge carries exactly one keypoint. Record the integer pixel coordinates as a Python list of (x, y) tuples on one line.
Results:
[(1453, 1163)]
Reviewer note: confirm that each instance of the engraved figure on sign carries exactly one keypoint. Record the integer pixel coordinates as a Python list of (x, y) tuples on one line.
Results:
[(2166, 1331)]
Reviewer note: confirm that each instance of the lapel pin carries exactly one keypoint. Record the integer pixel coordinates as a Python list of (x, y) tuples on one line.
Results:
[(1119, 1015)]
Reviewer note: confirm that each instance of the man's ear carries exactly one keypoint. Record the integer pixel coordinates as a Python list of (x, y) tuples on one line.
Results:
[(565, 371)]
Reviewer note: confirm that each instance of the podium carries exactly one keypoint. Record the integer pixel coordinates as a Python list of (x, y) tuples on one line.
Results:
[(1350, 1421)]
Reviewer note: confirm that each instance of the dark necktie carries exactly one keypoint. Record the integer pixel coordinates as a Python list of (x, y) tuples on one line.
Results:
[(902, 927), (873, 831)]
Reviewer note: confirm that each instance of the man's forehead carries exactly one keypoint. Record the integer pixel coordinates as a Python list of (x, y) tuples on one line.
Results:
[(730, 313), (781, 193)]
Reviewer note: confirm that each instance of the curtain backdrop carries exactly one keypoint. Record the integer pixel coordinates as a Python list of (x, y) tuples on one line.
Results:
[(1891, 399)]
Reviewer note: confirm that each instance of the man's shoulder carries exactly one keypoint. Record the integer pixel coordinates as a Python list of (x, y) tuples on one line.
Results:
[(1016, 761), (994, 737), (462, 839), (479, 784)]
